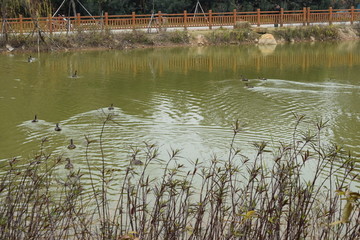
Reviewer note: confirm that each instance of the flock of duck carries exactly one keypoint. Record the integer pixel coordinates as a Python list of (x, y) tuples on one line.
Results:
[(57, 128), (71, 146), (247, 85)]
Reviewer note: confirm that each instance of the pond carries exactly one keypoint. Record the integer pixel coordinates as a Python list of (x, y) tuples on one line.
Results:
[(180, 98)]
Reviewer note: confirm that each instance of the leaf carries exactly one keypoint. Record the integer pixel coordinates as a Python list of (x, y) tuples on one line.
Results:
[(340, 193), (347, 212), (249, 214), (354, 195), (336, 223)]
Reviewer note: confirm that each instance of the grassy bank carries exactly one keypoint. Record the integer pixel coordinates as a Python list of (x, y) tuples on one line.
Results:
[(242, 34), (229, 197), (89, 40)]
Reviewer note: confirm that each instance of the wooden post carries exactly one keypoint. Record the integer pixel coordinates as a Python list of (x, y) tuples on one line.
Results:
[(21, 23), (308, 16), (352, 15), (281, 17), (330, 15), (185, 20), (304, 16), (210, 19), (78, 19), (234, 15), (159, 20), (106, 19), (133, 20), (258, 17), (50, 24)]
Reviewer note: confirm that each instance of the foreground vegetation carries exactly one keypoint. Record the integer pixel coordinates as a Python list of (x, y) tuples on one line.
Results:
[(231, 197)]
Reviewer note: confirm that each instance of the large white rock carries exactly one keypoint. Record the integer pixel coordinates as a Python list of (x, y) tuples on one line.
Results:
[(267, 39), (9, 47)]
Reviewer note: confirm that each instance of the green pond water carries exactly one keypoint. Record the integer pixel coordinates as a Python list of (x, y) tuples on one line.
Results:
[(182, 98)]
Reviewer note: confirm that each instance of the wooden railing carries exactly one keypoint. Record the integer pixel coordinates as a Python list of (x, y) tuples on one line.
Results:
[(184, 20)]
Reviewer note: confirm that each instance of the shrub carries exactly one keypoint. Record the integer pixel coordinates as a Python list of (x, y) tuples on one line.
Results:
[(233, 197), (320, 33), (136, 37), (224, 36)]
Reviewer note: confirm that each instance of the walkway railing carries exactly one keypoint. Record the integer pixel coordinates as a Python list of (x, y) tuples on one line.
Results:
[(184, 20)]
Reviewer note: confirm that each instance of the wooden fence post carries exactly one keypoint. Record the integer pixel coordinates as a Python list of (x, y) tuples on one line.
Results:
[(258, 17), (234, 15), (210, 19), (308, 16), (106, 19), (281, 17), (185, 20), (133, 20), (352, 15), (21, 23), (78, 19), (50, 24), (330, 15), (159, 20), (304, 16)]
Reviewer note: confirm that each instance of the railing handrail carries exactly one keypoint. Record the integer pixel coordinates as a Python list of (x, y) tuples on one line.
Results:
[(185, 19)]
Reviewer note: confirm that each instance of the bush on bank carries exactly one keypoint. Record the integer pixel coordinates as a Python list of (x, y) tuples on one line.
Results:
[(243, 33), (94, 39)]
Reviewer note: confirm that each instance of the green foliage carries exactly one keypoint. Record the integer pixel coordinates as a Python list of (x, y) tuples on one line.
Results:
[(136, 37), (317, 32), (236, 36), (173, 37), (97, 7), (33, 8), (356, 27)]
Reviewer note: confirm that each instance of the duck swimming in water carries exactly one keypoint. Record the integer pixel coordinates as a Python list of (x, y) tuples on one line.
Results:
[(57, 128), (261, 78), (68, 164), (248, 86), (35, 119), (72, 145), (111, 107), (30, 59), (75, 74), (244, 78)]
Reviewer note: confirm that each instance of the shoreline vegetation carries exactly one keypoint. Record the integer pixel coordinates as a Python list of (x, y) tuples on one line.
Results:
[(243, 33), (226, 197)]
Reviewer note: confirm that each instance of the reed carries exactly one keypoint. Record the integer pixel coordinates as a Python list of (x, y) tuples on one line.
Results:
[(231, 197)]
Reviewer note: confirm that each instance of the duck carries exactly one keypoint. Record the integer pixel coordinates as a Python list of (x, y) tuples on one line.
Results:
[(261, 78), (111, 107), (68, 165), (30, 59), (57, 128), (248, 86), (135, 161), (74, 75), (35, 119), (244, 78), (72, 145)]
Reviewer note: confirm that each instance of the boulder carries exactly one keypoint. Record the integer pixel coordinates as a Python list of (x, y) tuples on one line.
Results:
[(9, 48), (267, 39), (200, 40)]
